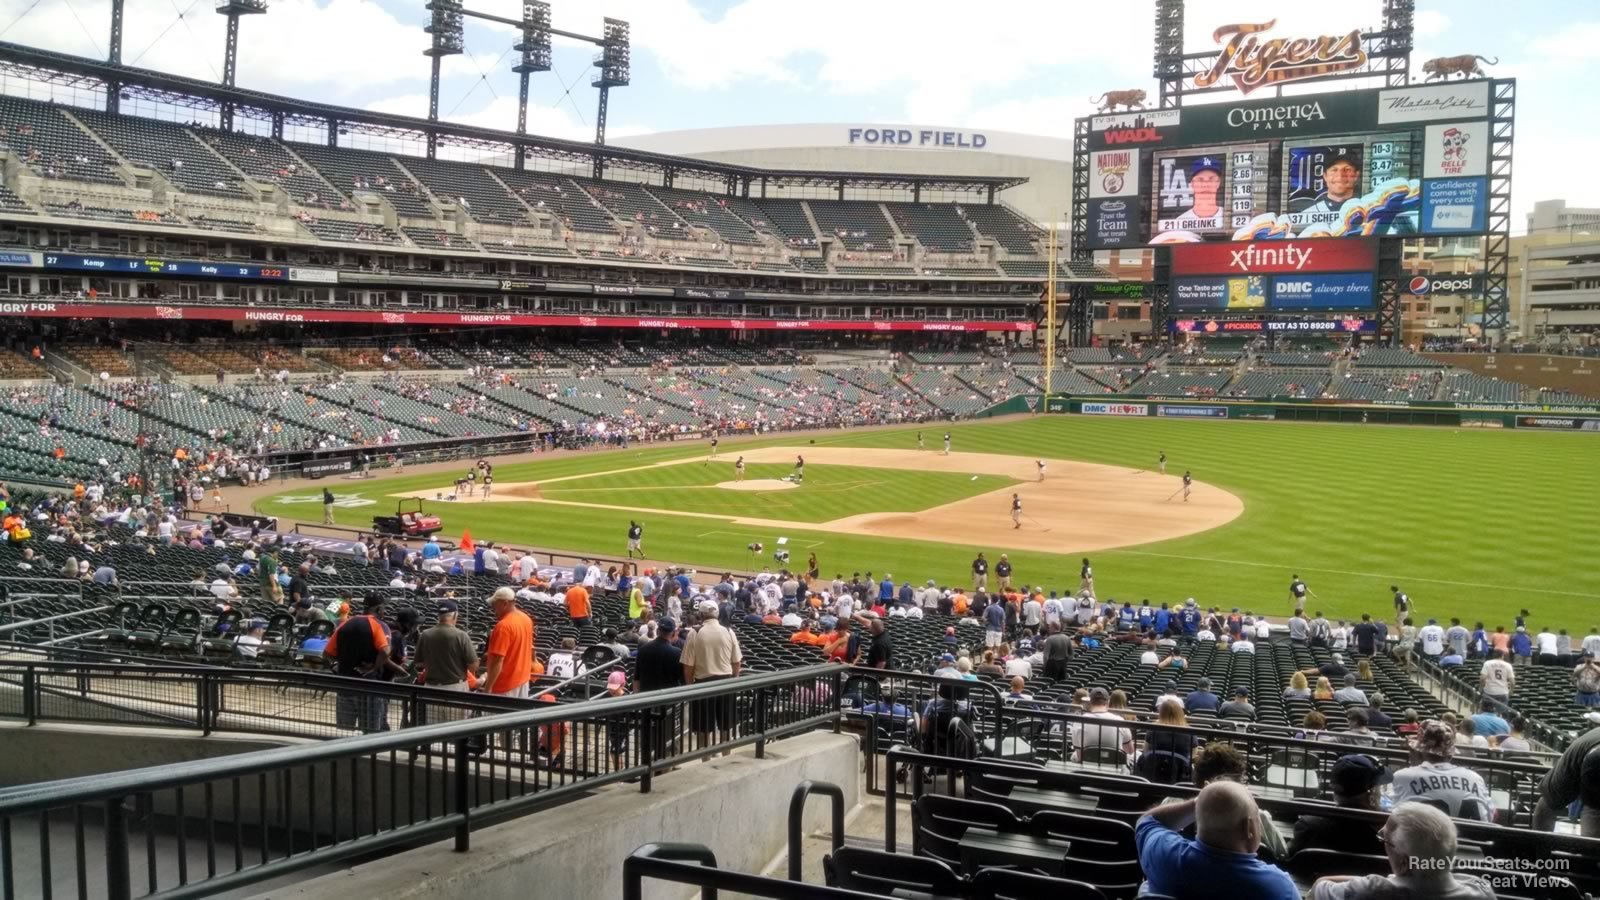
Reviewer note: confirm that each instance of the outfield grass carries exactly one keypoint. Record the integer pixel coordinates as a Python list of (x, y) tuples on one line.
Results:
[(1471, 523), (828, 493)]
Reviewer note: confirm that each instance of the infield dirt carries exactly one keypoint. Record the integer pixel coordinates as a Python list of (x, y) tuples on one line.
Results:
[(1078, 507)]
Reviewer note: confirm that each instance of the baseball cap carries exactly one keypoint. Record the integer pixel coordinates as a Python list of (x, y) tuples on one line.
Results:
[(373, 600), (504, 593), (1436, 738), (665, 624), (1341, 155), (1592, 718), (948, 657), (256, 624), (447, 606), (1205, 163), (1358, 773), (1241, 691), (617, 679), (707, 606), (1099, 695)]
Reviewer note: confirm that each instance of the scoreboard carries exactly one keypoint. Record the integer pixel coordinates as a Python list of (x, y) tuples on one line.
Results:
[(1389, 162)]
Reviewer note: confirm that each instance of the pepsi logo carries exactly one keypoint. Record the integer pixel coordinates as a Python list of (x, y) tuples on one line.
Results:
[(1419, 285)]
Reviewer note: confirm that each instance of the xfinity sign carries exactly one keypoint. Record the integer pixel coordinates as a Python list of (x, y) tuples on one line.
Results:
[(1286, 257), (1423, 285)]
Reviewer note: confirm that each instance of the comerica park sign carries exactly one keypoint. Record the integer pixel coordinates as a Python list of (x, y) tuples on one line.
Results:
[(1251, 63)]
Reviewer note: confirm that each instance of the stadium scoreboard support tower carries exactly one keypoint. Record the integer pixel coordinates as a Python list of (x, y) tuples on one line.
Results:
[(1427, 160), (446, 26)]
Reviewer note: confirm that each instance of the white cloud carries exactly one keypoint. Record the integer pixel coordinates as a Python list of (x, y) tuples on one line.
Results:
[(1429, 23)]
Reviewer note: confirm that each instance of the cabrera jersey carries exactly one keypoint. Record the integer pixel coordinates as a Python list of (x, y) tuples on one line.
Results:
[(1446, 782)]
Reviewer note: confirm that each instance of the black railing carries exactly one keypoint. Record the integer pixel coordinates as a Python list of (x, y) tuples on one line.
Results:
[(1025, 732), (267, 813)]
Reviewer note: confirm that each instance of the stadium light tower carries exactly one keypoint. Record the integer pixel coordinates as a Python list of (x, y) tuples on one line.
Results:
[(535, 50), (233, 9), (614, 63), (449, 39)]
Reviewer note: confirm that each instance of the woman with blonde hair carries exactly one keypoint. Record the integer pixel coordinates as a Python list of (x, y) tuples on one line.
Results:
[(1119, 704), (1297, 689), (990, 665), (1324, 689), (1364, 671), (1176, 743)]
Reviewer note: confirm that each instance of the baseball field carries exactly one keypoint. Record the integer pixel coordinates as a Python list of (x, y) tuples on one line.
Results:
[(1471, 523)]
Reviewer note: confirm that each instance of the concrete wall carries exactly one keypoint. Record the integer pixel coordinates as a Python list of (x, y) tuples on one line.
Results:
[(55, 752), (738, 806)]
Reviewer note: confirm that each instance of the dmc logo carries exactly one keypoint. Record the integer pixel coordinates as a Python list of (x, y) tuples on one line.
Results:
[(1296, 287)]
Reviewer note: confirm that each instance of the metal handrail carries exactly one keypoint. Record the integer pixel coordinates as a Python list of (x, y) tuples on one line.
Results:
[(95, 788)]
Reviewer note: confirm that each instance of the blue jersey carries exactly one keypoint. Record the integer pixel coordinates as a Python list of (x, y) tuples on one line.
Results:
[(1127, 617), (1189, 617), (1163, 620), (1144, 617)]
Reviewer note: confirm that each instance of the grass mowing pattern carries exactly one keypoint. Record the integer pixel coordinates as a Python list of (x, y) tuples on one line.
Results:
[(829, 492), (1471, 523)]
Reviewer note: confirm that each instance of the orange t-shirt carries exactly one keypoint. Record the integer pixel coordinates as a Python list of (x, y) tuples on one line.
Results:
[(578, 602), (958, 604), (512, 640)]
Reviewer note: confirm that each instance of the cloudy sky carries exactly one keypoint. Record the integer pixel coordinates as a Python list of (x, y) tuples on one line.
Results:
[(1015, 65)]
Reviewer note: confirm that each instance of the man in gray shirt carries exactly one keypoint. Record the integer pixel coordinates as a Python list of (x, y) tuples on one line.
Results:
[(445, 654), (1456, 638), (1057, 651), (1350, 693), (1299, 628)]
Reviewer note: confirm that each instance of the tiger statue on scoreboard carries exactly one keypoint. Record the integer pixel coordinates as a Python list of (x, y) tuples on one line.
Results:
[(1465, 65), (1110, 100)]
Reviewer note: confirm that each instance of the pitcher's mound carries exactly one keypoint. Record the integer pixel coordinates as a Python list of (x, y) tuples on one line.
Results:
[(758, 484)]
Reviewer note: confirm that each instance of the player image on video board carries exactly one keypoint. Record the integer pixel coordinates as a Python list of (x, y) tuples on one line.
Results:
[(1321, 180), (1189, 194)]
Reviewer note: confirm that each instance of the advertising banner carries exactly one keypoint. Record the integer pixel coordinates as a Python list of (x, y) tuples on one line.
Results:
[(1114, 223), (19, 259), (1114, 173), (1352, 290), (1274, 257), (1147, 128), (314, 276), (1453, 205), (1423, 285), (1559, 423), (1116, 409), (1332, 113), (1434, 103), (52, 310), (1126, 290), (1456, 151), (1193, 412), (1240, 292), (316, 468), (1254, 326)]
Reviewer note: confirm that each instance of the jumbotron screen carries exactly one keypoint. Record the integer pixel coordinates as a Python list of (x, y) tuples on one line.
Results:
[(1214, 193), (1392, 162)]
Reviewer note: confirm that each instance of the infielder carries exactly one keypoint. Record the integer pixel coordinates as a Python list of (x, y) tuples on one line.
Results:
[(635, 539), (919, 441), (488, 486), (1162, 462), (947, 443), (1016, 511), (799, 468), (738, 469), (713, 452), (1188, 480), (1040, 464)]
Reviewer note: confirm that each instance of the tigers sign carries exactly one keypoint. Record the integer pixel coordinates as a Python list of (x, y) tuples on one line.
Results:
[(1251, 63)]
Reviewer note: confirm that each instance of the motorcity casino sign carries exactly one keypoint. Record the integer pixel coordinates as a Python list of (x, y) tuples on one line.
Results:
[(1250, 62)]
